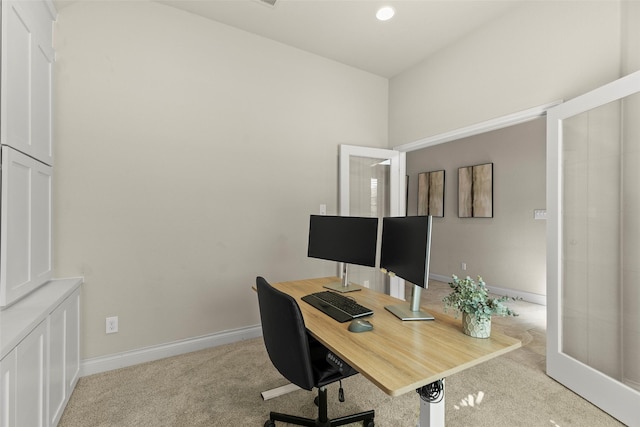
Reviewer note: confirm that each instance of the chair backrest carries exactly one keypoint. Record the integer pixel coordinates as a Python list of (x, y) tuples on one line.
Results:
[(285, 335)]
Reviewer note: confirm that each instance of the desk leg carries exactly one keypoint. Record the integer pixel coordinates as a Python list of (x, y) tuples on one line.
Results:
[(432, 414), (279, 391)]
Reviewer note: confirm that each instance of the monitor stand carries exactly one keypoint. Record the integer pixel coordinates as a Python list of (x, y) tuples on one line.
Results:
[(412, 311), (343, 285)]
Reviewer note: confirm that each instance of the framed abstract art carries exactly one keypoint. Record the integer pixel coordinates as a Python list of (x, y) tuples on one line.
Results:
[(431, 193), (475, 191)]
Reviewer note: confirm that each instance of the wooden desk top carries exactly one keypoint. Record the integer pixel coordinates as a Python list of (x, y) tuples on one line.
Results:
[(397, 356)]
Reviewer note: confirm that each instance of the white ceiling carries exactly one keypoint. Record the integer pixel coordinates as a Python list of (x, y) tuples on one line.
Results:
[(347, 30)]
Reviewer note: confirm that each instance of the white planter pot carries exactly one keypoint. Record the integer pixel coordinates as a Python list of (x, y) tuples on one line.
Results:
[(474, 328)]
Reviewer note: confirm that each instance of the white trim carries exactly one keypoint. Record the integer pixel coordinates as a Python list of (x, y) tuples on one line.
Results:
[(610, 92), (526, 296), (478, 128), (129, 358)]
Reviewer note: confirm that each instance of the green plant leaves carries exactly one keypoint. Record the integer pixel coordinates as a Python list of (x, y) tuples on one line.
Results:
[(473, 298)]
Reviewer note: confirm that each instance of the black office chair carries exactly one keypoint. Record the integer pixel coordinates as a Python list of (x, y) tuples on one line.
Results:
[(299, 357)]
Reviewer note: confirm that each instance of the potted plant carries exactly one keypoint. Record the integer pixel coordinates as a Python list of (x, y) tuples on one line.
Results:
[(472, 300)]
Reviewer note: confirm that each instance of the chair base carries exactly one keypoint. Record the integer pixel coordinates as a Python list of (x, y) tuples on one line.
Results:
[(322, 420), (365, 417)]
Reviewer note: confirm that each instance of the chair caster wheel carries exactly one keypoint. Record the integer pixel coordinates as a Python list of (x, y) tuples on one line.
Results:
[(316, 401), (369, 423), (269, 423)]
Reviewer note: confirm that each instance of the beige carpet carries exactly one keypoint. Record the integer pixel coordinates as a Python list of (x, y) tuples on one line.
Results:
[(221, 387)]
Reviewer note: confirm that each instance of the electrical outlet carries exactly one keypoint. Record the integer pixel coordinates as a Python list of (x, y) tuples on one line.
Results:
[(323, 209), (463, 266), (365, 283), (112, 324)]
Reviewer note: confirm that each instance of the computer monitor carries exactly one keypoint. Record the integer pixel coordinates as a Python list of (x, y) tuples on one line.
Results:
[(345, 239), (405, 252)]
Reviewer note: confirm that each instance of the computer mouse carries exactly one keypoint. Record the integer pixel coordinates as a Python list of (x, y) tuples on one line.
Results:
[(360, 325)]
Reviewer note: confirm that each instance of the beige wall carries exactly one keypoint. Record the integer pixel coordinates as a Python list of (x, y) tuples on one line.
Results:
[(540, 52), (188, 158), (630, 12), (508, 250)]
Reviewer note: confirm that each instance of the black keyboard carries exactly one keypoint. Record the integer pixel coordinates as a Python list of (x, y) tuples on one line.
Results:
[(336, 305)]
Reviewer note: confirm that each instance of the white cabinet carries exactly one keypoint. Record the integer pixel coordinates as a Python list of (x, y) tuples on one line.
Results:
[(64, 355), (25, 225), (30, 378), (26, 60), (26, 64), (26, 67), (39, 328), (40, 355), (23, 391)]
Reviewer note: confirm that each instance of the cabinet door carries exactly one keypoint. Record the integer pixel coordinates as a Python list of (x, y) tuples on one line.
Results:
[(30, 385), (8, 390), (25, 225), (26, 75), (72, 344), (64, 355), (57, 384)]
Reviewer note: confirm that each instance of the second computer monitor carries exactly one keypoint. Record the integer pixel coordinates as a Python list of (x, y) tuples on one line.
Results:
[(405, 252)]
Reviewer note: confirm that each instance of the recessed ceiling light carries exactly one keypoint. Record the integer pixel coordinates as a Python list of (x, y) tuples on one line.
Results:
[(385, 13)]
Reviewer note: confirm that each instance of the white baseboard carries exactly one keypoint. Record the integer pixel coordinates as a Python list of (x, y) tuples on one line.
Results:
[(96, 365), (440, 277), (526, 296), (129, 358)]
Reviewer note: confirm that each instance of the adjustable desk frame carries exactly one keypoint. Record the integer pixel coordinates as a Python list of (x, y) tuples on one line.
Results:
[(397, 356)]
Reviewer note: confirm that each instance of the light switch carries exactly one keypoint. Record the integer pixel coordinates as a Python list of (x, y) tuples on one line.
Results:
[(540, 214)]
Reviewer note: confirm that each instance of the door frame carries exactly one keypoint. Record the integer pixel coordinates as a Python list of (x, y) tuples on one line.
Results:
[(397, 188), (398, 170)]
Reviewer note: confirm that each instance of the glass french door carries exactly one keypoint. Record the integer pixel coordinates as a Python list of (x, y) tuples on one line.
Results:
[(372, 184), (593, 253)]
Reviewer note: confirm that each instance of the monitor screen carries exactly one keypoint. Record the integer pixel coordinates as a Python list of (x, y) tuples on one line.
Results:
[(346, 239), (406, 243)]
